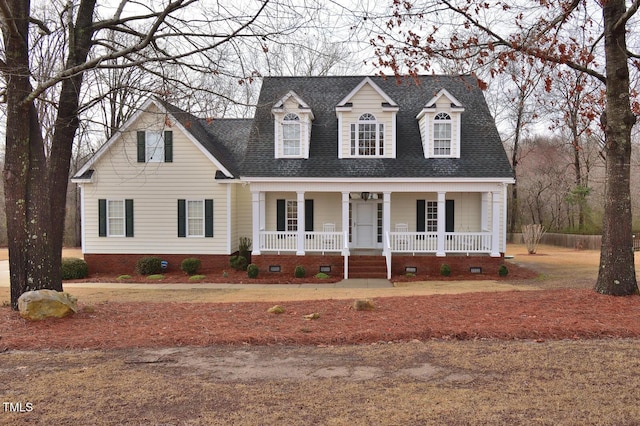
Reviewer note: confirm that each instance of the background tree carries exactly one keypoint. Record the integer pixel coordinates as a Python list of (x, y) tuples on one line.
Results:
[(495, 34)]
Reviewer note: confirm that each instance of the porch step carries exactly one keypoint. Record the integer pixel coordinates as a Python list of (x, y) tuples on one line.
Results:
[(367, 267)]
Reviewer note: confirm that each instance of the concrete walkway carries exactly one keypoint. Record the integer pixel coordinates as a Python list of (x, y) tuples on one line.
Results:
[(351, 283)]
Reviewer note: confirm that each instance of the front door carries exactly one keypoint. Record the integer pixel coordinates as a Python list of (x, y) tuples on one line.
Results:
[(365, 223)]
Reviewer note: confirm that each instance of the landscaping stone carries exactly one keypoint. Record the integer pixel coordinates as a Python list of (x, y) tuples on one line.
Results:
[(41, 304)]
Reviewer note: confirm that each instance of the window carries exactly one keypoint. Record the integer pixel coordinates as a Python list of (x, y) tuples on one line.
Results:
[(432, 216), (115, 218), (291, 135), (195, 218), (442, 134), (367, 136), (292, 215), (155, 146)]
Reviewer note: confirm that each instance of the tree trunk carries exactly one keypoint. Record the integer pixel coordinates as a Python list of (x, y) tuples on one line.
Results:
[(617, 275), (36, 189)]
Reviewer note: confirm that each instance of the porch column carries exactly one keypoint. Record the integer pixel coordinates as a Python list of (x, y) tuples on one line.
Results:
[(255, 221), (441, 224), (301, 227), (345, 222), (484, 212), (386, 219), (495, 223)]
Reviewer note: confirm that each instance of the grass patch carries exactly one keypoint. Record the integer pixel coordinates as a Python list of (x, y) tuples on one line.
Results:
[(124, 277), (155, 277), (197, 277)]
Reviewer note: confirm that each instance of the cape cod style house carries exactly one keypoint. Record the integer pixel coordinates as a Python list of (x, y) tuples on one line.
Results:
[(357, 176)]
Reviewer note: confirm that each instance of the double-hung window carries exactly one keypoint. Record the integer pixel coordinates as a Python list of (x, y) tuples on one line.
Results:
[(367, 137), (291, 144), (155, 146), (115, 218), (292, 215), (195, 218), (442, 134), (432, 216)]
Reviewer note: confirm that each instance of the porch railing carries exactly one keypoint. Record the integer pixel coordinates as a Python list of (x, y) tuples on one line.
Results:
[(427, 242), (287, 241)]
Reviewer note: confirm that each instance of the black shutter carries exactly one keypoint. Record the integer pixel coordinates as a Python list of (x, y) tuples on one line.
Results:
[(449, 216), (281, 224), (182, 218), (168, 146), (308, 215), (208, 218), (128, 209), (141, 147), (102, 217), (420, 215)]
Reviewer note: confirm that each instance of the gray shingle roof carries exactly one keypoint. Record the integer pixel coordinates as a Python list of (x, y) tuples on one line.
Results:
[(482, 153), (225, 138)]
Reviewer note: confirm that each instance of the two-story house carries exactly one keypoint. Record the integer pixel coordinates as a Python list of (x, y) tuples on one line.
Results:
[(330, 172)]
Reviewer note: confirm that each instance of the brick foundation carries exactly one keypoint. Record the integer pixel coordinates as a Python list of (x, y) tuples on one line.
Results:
[(126, 263), (430, 265)]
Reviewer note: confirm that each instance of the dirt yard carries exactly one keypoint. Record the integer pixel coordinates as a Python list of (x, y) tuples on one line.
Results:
[(541, 353)]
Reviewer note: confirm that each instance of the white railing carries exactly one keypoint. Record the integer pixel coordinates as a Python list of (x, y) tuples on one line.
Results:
[(278, 241), (427, 242), (468, 242), (413, 242), (323, 241)]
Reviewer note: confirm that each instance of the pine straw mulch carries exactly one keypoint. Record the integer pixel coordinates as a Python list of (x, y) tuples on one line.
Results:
[(536, 315)]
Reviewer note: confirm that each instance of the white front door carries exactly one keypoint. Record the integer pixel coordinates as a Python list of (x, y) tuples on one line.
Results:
[(365, 225)]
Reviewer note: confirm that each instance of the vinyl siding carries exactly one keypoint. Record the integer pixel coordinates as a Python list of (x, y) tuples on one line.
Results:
[(155, 189)]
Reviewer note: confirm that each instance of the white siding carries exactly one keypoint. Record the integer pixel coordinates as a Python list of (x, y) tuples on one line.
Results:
[(155, 189)]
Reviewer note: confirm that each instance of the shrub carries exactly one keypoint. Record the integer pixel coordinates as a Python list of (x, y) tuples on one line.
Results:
[(299, 272), (190, 265), (149, 265), (197, 277), (252, 270), (155, 277), (503, 270), (74, 268), (321, 276), (244, 247), (445, 270), (239, 263)]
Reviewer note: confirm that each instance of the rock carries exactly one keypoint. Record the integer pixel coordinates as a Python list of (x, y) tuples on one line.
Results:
[(40, 304)]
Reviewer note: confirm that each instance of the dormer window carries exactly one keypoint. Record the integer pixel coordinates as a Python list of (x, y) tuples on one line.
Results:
[(367, 136), (291, 135), (442, 134)]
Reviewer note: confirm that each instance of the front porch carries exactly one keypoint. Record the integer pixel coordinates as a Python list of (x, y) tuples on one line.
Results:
[(403, 222)]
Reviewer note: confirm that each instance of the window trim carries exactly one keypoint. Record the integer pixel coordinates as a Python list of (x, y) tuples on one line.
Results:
[(358, 127), (188, 218), (122, 217)]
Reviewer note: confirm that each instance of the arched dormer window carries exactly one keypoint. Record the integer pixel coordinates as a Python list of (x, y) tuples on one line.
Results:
[(442, 134), (367, 136), (291, 135)]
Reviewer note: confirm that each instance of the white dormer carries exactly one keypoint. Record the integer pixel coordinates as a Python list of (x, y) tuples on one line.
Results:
[(440, 127), (292, 132), (367, 123)]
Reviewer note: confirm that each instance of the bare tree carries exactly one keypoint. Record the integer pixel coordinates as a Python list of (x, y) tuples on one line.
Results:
[(495, 34), (171, 32)]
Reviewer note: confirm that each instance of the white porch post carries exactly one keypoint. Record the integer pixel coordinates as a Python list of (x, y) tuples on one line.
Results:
[(484, 212), (255, 221), (345, 231), (441, 224), (386, 219), (495, 223), (301, 226)]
